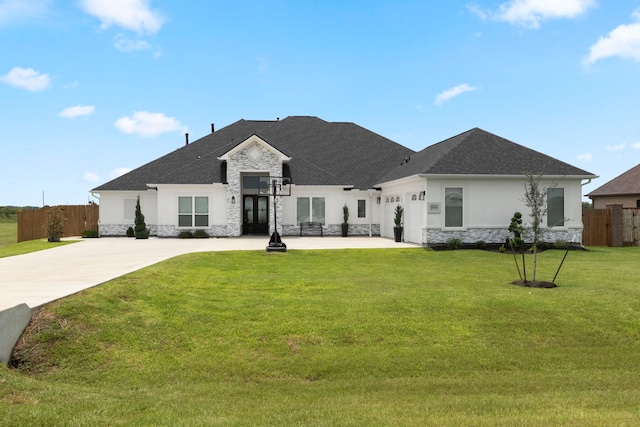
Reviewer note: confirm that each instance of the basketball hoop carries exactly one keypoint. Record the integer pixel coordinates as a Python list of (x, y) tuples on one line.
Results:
[(276, 186)]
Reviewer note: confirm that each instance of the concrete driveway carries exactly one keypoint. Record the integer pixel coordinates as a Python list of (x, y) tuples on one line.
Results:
[(41, 277)]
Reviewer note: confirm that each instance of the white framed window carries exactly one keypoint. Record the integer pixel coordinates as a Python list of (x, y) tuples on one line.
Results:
[(362, 208), (130, 209), (193, 211), (555, 207), (310, 209), (453, 204)]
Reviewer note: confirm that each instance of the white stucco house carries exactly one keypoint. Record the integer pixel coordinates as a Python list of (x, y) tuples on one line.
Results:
[(465, 187)]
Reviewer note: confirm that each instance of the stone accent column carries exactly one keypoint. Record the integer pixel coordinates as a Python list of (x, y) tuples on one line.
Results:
[(616, 225)]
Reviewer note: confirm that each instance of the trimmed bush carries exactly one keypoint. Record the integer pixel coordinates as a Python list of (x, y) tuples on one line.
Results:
[(201, 234), (185, 235)]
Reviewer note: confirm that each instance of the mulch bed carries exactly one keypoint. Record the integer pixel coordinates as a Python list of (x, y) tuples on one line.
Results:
[(536, 284)]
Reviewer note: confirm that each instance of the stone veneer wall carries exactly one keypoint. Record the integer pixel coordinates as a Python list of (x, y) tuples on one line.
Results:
[(120, 230), (254, 157), (494, 235), (336, 230)]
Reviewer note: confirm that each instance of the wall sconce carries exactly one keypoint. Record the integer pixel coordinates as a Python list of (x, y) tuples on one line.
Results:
[(233, 200), (378, 200), (422, 194)]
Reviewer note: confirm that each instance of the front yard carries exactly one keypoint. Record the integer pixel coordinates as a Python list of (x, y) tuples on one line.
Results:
[(343, 337)]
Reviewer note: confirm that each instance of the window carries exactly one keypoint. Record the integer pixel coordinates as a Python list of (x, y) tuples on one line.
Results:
[(453, 207), (362, 208), (638, 203), (193, 211), (555, 207), (310, 209), (130, 209)]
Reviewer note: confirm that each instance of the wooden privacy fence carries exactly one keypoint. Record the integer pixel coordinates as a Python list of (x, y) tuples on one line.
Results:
[(595, 223), (631, 227), (32, 224), (611, 227)]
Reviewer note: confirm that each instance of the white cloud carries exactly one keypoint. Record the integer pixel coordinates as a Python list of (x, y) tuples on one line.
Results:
[(90, 177), (453, 92), (617, 147), (77, 111), (586, 157), (144, 123), (118, 172), (10, 10), (530, 13), (133, 15), (26, 78), (623, 41), (126, 45), (636, 146)]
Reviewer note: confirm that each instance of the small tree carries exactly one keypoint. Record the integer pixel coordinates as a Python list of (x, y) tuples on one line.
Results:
[(55, 223), (535, 198), (141, 230)]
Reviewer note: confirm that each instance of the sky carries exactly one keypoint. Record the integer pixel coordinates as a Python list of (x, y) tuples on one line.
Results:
[(90, 89)]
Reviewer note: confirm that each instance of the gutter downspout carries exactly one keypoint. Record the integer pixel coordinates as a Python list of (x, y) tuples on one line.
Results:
[(96, 197)]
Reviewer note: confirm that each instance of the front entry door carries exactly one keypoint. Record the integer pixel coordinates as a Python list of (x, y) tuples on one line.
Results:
[(256, 215)]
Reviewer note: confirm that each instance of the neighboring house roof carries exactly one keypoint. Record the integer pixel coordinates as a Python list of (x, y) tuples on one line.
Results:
[(322, 153), (478, 152), (627, 183)]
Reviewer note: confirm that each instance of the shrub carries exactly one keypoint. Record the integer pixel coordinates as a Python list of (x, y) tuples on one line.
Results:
[(454, 243), (90, 233), (130, 232), (502, 249), (200, 234), (561, 244), (481, 244), (141, 231), (185, 235), (55, 223)]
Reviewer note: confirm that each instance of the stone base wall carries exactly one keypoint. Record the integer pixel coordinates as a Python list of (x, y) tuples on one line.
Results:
[(494, 235), (120, 230), (335, 230)]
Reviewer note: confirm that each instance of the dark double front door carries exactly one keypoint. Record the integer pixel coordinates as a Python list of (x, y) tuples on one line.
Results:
[(255, 214)]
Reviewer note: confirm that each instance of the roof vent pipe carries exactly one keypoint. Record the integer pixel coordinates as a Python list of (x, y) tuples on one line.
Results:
[(213, 128), (186, 138)]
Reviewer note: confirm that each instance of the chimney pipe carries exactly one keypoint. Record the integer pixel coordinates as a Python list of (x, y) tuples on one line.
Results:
[(212, 128), (186, 138)]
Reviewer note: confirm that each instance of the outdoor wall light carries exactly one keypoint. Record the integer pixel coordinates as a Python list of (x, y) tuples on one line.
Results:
[(233, 200), (422, 194), (378, 200)]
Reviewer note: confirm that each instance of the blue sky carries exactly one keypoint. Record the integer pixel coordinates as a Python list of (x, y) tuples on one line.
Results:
[(92, 88)]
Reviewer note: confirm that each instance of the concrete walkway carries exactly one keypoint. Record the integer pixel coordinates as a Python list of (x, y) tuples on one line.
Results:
[(41, 277)]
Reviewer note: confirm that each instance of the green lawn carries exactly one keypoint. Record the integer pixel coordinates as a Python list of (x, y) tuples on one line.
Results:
[(8, 232), (9, 237), (346, 337)]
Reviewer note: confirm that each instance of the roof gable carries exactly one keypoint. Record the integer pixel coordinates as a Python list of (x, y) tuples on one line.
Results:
[(477, 152), (254, 139), (626, 183)]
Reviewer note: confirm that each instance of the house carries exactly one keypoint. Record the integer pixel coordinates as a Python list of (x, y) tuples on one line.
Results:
[(465, 187), (623, 190)]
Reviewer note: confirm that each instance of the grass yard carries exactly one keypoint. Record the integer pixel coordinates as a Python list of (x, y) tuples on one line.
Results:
[(339, 338), (9, 237), (8, 231)]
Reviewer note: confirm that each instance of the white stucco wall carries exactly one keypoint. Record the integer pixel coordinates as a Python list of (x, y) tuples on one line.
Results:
[(112, 221), (489, 204), (335, 198)]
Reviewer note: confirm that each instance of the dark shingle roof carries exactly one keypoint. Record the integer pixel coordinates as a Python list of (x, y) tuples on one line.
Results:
[(627, 183), (322, 153), (477, 152)]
